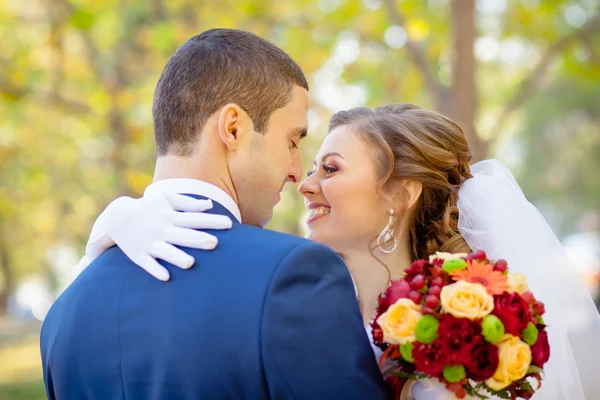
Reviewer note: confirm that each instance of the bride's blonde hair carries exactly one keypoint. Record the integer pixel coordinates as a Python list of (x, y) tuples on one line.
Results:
[(424, 146)]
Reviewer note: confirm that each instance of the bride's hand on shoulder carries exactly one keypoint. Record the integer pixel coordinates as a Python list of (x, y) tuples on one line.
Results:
[(149, 228)]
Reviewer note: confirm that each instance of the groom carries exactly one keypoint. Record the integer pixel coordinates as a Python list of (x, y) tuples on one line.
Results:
[(265, 315)]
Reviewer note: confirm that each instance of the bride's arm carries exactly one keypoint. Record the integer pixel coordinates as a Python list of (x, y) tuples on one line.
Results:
[(149, 228)]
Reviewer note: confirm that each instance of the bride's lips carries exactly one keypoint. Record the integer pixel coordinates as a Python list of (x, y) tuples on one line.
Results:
[(317, 211)]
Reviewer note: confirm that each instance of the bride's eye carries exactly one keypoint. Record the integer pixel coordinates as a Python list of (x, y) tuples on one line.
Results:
[(329, 170), (309, 173)]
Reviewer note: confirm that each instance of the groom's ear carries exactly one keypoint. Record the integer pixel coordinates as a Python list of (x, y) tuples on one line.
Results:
[(233, 124)]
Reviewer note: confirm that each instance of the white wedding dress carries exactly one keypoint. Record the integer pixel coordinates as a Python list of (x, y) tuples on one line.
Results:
[(495, 216)]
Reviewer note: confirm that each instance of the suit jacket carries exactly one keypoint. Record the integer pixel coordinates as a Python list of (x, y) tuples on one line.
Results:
[(264, 316)]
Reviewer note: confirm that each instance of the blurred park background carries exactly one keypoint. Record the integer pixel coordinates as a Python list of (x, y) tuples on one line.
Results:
[(77, 77)]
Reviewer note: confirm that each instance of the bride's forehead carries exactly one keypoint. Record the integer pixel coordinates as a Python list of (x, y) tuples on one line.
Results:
[(340, 141)]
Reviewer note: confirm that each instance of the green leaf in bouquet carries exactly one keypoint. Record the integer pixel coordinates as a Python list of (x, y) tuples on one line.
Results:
[(523, 384), (534, 373), (503, 394), (474, 391), (406, 351), (402, 374), (407, 371), (534, 370)]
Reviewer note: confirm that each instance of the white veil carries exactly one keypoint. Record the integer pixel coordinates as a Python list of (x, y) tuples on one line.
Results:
[(496, 217)]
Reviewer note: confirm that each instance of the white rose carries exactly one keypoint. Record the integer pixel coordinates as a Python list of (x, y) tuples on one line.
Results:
[(518, 283), (446, 256)]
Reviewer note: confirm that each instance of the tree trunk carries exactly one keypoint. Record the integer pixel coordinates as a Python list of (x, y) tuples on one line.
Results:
[(464, 102), (118, 160)]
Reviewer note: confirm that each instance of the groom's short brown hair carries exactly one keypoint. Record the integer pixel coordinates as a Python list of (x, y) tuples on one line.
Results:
[(218, 67)]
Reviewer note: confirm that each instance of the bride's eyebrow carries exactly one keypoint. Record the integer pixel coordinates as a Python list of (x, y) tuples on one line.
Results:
[(334, 153), (325, 156)]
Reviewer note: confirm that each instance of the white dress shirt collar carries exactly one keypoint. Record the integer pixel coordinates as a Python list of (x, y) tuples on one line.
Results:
[(194, 186)]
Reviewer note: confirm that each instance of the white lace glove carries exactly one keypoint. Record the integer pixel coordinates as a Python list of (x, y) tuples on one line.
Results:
[(149, 228)]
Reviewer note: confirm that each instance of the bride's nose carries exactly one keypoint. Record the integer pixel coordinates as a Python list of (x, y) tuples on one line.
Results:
[(309, 186)]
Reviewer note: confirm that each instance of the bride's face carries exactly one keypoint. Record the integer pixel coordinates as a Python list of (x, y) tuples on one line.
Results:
[(345, 210)]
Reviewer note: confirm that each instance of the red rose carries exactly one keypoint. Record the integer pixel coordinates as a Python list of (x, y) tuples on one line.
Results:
[(429, 358), (513, 311), (458, 336), (483, 361), (399, 289), (540, 351)]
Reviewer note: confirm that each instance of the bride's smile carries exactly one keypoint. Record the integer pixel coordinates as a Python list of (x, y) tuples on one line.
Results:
[(317, 211)]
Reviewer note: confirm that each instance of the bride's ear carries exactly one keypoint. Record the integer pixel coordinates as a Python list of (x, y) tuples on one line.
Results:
[(404, 194), (412, 191)]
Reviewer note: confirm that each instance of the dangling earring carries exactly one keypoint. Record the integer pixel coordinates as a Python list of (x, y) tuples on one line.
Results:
[(386, 237)]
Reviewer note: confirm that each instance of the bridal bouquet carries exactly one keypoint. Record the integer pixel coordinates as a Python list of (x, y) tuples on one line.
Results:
[(466, 321)]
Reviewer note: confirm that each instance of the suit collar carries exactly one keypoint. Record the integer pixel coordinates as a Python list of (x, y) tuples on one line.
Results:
[(195, 187)]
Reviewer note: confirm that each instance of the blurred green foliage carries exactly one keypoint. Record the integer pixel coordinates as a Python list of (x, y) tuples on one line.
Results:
[(77, 79), (77, 76)]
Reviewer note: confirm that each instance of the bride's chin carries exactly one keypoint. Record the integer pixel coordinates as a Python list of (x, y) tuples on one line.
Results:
[(320, 237), (312, 235)]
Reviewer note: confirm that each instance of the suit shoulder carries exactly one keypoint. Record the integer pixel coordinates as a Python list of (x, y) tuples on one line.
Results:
[(266, 238), (291, 251)]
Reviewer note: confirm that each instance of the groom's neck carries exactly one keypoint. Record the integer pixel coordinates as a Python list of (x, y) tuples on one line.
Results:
[(199, 168)]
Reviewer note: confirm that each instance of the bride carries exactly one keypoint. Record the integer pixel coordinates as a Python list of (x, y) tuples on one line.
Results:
[(389, 186)]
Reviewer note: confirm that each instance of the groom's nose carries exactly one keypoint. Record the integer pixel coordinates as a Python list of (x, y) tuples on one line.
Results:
[(295, 174)]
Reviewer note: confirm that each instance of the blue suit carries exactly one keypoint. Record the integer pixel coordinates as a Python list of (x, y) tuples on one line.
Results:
[(264, 316)]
